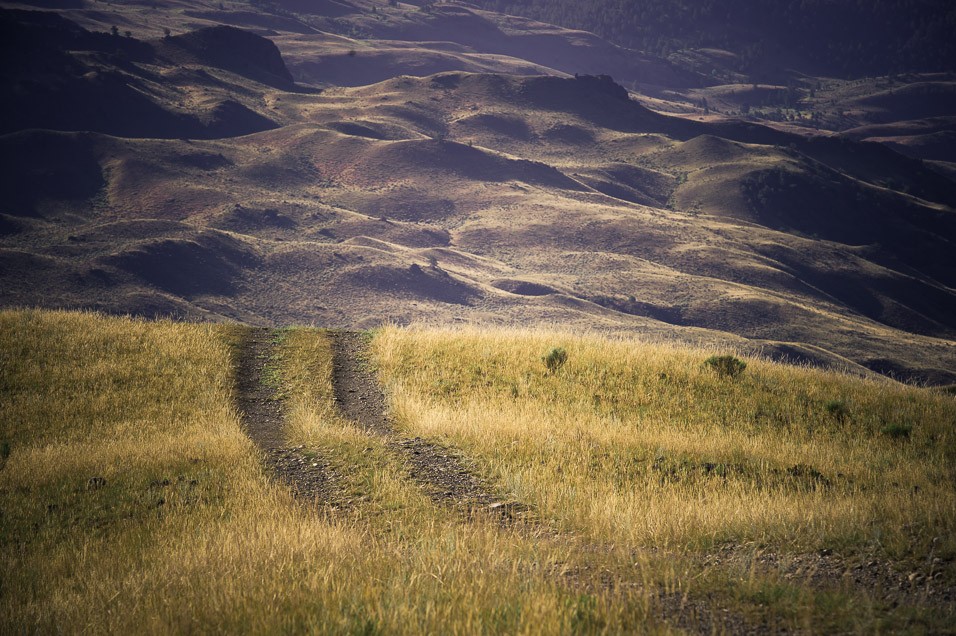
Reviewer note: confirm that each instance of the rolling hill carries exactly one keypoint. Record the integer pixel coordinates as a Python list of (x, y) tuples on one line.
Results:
[(354, 163)]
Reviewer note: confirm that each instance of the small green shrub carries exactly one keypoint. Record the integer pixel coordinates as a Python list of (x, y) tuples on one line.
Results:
[(726, 366), (555, 359), (897, 431), (838, 409)]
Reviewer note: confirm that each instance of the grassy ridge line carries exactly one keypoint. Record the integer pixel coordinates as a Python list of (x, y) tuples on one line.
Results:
[(643, 446), (159, 518), (471, 576)]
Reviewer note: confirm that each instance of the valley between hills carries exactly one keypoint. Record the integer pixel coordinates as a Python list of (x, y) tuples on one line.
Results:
[(351, 164)]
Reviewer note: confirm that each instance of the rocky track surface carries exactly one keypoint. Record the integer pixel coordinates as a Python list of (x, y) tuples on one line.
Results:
[(261, 410), (439, 470)]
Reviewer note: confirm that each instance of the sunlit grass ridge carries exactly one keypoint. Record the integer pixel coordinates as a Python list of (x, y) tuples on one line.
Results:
[(133, 502), (645, 443)]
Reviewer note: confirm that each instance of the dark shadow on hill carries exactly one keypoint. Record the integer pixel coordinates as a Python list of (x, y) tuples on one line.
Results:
[(817, 201), (418, 282), (252, 220), (887, 296), (56, 75), (231, 49), (632, 306), (523, 287), (596, 98), (496, 124), (474, 163), (210, 263), (356, 130), (42, 166), (910, 374), (630, 183)]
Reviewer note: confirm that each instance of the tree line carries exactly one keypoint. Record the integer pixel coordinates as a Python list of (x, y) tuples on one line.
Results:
[(845, 38)]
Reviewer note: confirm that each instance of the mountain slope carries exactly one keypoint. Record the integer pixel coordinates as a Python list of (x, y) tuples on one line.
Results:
[(462, 196), (842, 37)]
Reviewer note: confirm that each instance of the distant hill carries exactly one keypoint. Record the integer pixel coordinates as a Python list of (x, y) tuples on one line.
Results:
[(840, 37), (120, 85), (365, 163)]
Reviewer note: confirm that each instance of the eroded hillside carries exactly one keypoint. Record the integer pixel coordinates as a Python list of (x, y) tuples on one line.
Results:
[(196, 177)]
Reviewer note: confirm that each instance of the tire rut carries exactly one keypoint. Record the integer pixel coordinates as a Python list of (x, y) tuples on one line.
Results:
[(261, 414), (439, 470), (446, 478)]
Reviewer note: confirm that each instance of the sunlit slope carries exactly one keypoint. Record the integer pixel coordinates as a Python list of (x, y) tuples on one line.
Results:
[(646, 444), (787, 472), (132, 502), (658, 494)]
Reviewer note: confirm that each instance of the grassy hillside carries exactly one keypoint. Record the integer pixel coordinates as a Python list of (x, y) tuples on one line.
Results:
[(646, 444), (659, 495), (132, 502)]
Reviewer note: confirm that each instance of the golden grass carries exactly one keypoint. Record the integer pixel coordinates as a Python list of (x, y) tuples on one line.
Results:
[(187, 533), (643, 443), (504, 579), (643, 447)]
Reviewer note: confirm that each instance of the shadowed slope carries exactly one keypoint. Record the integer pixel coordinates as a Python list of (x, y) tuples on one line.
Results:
[(459, 197), (126, 87)]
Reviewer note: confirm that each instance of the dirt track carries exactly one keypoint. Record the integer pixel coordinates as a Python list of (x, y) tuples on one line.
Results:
[(262, 416), (440, 472)]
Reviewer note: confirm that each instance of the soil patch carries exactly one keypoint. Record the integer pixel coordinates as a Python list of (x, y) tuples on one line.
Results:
[(261, 411), (895, 583)]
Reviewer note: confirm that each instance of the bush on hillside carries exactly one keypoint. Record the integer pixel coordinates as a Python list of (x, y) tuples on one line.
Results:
[(838, 409), (555, 359), (726, 366), (897, 431)]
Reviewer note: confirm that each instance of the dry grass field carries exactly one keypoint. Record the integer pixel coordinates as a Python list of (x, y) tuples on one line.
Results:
[(644, 444), (657, 495)]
